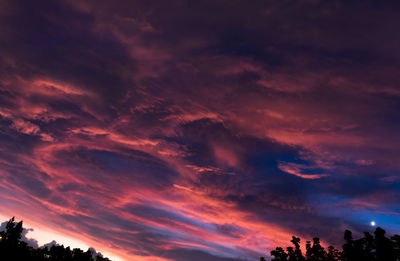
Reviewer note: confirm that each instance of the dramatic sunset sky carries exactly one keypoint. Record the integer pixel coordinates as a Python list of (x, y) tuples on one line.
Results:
[(210, 130)]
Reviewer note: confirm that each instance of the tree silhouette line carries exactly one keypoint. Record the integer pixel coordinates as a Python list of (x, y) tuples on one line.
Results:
[(375, 247), (12, 248)]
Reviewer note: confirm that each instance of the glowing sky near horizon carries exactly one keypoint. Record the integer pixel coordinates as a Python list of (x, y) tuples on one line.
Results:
[(202, 130)]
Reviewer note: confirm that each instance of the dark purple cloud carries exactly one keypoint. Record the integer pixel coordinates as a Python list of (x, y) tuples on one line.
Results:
[(163, 130)]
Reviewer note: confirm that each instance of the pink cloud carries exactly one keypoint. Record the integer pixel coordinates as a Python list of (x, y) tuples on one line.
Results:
[(25, 127), (296, 169)]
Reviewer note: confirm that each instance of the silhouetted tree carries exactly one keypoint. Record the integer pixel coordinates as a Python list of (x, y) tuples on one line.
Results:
[(13, 249), (368, 248), (295, 254), (315, 252)]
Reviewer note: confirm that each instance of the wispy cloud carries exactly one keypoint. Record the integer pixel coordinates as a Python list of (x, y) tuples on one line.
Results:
[(216, 132)]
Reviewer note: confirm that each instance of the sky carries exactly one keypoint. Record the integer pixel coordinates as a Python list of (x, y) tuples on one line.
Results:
[(199, 130)]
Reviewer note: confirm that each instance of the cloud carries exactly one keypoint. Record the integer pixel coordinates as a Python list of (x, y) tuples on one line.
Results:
[(215, 132), (295, 169), (25, 127)]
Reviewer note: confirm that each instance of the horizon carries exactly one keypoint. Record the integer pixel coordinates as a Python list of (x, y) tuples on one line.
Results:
[(162, 130), (38, 238)]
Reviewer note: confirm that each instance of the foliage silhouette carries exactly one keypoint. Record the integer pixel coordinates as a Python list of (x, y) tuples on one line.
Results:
[(375, 247), (12, 248)]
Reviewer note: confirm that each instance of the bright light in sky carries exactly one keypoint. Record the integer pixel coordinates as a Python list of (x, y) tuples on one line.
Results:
[(373, 223)]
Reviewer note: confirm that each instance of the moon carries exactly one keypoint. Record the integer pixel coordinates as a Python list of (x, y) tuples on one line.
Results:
[(373, 223)]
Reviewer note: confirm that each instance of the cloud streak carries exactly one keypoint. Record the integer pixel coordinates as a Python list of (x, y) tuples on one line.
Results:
[(215, 133)]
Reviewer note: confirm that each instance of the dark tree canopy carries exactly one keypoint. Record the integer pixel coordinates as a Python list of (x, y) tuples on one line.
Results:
[(375, 247), (12, 248)]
